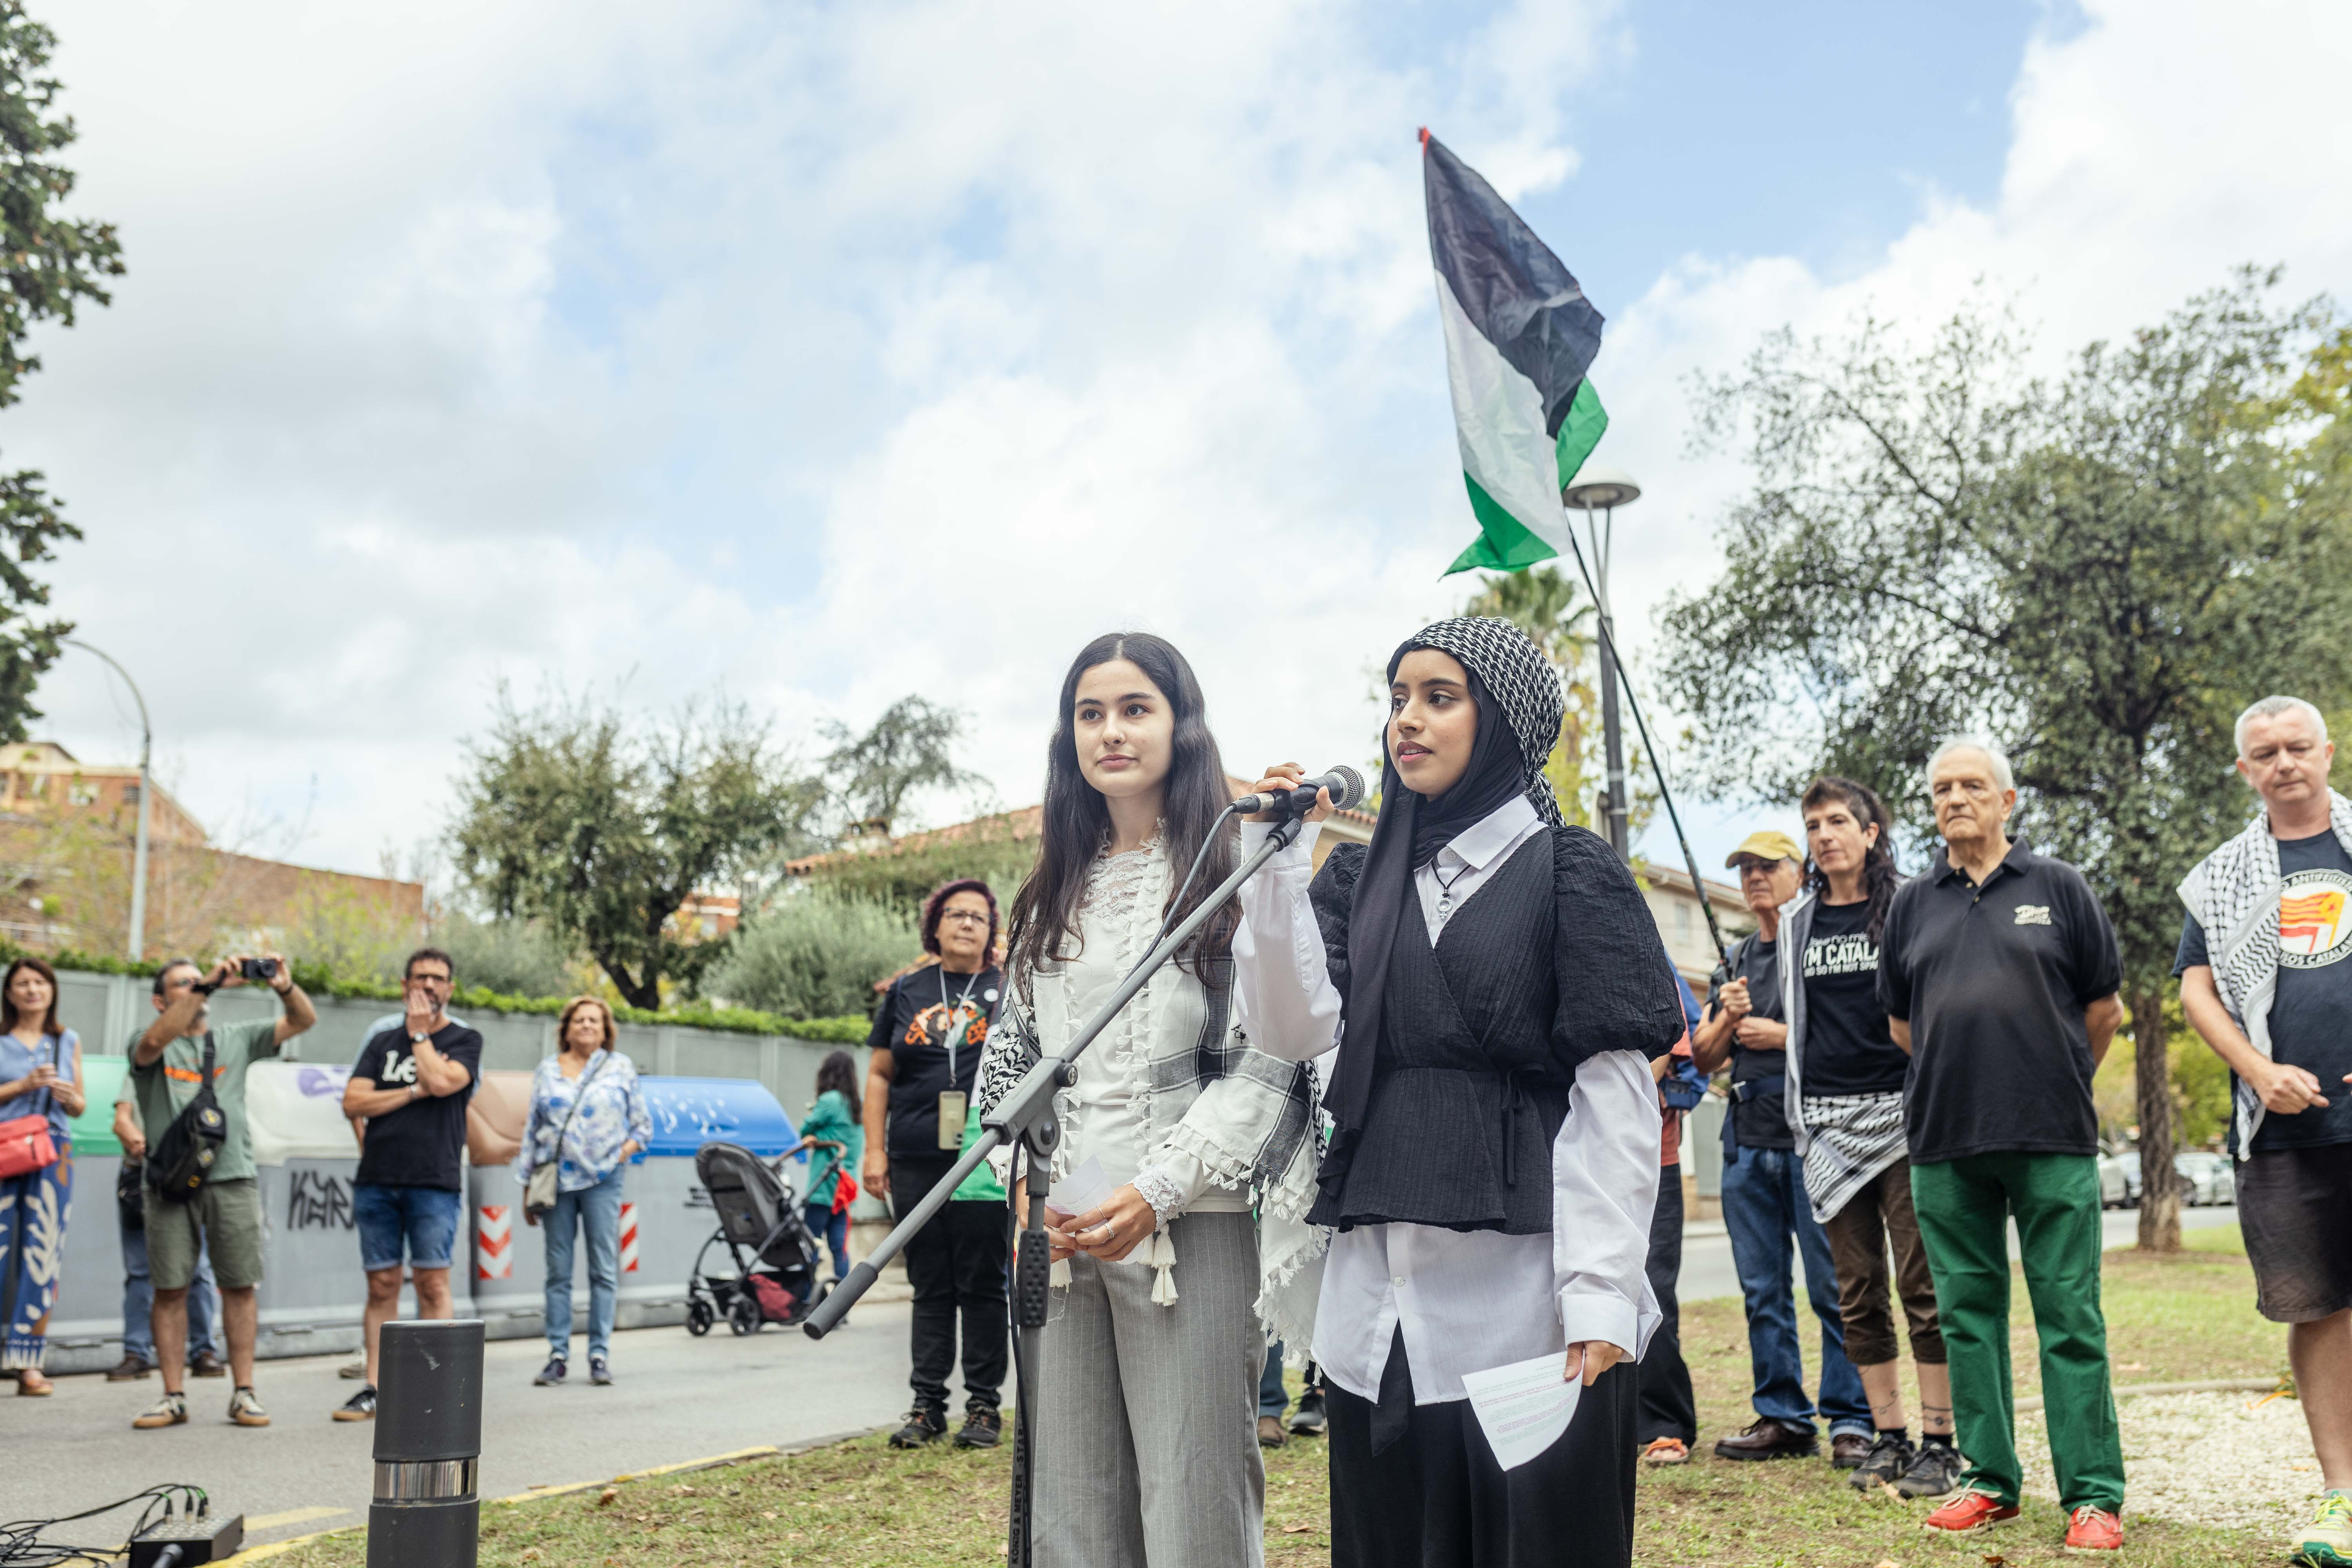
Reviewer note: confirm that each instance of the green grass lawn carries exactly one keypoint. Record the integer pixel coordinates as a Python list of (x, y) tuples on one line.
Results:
[(2170, 1319)]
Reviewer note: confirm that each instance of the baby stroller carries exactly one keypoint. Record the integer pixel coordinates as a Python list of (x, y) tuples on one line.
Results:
[(774, 1255)]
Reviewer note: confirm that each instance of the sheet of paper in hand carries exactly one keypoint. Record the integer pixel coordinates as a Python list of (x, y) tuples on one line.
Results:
[(1523, 1408), (1081, 1191)]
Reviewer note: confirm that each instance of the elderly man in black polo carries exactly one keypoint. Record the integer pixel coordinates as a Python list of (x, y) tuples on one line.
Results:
[(1999, 971)]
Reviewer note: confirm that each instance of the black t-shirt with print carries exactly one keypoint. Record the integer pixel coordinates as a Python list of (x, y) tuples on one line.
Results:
[(1762, 1122), (912, 1025), (2311, 1015), (1847, 1047), (423, 1144)]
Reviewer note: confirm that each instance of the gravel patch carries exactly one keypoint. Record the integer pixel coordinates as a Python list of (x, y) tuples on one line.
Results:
[(2235, 1460)]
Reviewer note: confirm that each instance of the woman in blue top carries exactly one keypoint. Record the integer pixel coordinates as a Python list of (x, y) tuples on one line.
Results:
[(587, 1117), (838, 1137), (40, 1074)]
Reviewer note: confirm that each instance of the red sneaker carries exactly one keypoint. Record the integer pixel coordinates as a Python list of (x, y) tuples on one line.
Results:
[(1970, 1511), (2094, 1530)]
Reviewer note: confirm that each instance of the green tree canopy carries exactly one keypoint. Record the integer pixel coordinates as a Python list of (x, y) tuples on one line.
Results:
[(600, 825), (2099, 573), (48, 265), (910, 747)]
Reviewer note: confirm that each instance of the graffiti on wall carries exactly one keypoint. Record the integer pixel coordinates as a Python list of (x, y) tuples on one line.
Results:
[(319, 1200)]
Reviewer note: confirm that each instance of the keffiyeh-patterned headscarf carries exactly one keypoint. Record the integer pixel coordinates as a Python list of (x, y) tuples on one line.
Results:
[(1520, 706), (1521, 681)]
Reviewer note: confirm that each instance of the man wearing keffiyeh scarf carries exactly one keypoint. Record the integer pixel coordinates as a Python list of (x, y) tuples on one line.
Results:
[(2262, 979)]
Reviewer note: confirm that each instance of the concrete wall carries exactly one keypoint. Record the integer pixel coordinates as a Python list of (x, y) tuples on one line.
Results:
[(110, 1011)]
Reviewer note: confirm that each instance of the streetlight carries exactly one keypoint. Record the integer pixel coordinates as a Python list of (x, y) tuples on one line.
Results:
[(146, 793), (1597, 485)]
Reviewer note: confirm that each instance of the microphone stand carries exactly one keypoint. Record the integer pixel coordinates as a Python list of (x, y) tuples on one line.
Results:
[(1025, 1117)]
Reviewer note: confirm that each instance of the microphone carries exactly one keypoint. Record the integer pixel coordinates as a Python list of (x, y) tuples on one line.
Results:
[(1346, 785)]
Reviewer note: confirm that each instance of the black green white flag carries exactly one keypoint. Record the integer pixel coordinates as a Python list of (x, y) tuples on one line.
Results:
[(1519, 335)]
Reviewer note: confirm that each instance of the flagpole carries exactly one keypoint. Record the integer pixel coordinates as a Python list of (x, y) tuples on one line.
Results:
[(1605, 488)]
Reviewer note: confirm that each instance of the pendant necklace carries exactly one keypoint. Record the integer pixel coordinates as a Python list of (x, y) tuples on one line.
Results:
[(1446, 890)]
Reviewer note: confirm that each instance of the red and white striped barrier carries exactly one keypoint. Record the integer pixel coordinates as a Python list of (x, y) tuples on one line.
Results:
[(494, 1242), (629, 1238)]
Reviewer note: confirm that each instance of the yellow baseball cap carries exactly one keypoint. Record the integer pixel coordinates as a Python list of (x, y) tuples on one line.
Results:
[(1766, 846)]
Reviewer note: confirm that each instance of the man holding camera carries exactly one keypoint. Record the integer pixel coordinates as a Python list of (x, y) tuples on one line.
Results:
[(411, 1085), (220, 1207)]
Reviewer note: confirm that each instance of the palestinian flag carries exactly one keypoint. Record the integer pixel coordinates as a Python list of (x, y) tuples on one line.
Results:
[(1519, 335)]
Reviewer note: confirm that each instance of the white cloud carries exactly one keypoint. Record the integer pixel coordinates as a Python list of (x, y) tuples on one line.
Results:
[(836, 353)]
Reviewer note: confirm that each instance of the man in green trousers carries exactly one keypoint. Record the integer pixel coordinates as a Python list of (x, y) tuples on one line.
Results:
[(1999, 971)]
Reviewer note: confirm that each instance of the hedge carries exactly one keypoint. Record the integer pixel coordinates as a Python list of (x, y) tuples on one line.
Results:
[(320, 981)]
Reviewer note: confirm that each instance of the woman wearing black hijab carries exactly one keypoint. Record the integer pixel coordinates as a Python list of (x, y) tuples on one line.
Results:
[(1499, 990)]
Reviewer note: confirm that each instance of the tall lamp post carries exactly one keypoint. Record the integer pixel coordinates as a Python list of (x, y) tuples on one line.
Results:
[(1599, 487), (138, 944)]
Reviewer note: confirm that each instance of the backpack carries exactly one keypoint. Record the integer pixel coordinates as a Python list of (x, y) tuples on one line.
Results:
[(183, 1157)]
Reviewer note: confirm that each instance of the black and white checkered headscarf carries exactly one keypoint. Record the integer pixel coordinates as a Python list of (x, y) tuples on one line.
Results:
[(1523, 682)]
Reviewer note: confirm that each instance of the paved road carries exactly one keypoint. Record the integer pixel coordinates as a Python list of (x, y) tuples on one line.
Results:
[(675, 1398), (1707, 1272)]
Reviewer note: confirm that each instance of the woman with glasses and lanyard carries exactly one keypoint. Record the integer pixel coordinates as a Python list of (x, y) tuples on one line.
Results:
[(925, 1046)]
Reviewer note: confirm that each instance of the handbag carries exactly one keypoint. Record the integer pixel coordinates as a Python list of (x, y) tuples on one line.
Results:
[(183, 1157), (539, 1192), (845, 1192), (26, 1145)]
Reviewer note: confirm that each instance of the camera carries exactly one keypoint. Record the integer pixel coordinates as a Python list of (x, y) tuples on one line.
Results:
[(259, 968)]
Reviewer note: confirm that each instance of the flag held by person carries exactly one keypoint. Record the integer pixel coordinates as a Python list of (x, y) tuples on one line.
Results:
[(1519, 335)]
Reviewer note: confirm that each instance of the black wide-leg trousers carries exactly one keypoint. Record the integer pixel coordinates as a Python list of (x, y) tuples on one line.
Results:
[(1437, 1498)]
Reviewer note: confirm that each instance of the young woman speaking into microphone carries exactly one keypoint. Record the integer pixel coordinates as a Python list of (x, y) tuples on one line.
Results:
[(1498, 989)]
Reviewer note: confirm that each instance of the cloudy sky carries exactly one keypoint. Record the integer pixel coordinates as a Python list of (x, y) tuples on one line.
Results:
[(827, 353)]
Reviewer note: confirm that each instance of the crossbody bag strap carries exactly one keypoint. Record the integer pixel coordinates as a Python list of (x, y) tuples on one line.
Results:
[(565, 1130)]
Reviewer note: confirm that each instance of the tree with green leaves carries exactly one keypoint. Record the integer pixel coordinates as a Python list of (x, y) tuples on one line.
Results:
[(910, 747), (2098, 571), (600, 825), (49, 264)]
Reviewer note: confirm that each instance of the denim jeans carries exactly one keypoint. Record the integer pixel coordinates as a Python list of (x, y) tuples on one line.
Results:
[(138, 1302), (597, 1210), (833, 1229), (1764, 1204), (1273, 1399)]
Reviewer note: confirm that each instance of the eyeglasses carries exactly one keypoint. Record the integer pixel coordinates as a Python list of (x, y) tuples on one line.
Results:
[(963, 916)]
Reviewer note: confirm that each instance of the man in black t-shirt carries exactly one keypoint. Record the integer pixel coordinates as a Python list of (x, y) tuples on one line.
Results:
[(411, 1085), (925, 1046), (1764, 1204), (2275, 1003), (1997, 970)]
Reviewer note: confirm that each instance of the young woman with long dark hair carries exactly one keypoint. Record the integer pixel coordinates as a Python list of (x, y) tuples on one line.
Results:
[(40, 1074), (1845, 1099), (834, 1133), (1147, 1394), (1499, 991)]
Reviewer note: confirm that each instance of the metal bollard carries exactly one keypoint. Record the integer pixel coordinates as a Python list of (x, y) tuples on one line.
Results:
[(428, 1446)]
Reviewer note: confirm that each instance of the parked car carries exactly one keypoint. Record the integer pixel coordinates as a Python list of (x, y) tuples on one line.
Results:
[(2205, 1177), (2120, 1180)]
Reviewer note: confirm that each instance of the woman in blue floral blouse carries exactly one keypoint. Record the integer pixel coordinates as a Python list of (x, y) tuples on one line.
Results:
[(589, 1145)]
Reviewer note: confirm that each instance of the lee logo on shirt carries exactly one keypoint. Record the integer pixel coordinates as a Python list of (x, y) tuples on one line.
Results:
[(404, 1070), (2033, 914), (2314, 929)]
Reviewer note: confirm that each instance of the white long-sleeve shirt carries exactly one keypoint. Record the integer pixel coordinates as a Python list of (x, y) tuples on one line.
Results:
[(1465, 1301)]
